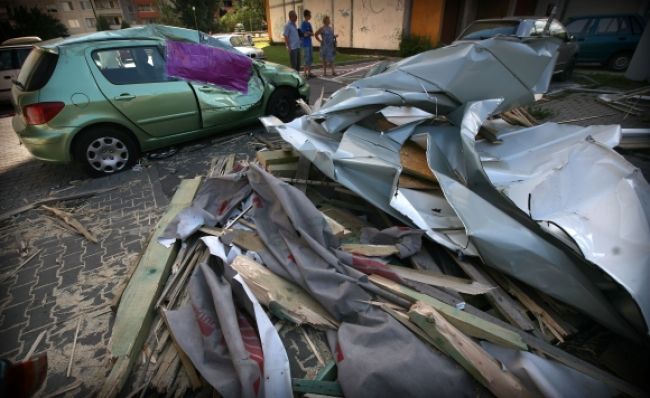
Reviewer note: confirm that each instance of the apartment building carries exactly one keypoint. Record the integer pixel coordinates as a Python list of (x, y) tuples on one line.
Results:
[(80, 16)]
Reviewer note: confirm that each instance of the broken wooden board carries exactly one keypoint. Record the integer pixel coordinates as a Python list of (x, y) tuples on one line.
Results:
[(347, 219), (509, 308), (135, 312), (460, 285), (279, 294), (267, 158), (471, 356), (468, 323), (549, 350), (414, 161), (337, 229), (370, 250), (248, 240), (73, 222), (283, 169), (411, 182)]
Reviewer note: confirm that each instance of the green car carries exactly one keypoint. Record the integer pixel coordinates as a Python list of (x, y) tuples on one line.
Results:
[(101, 99)]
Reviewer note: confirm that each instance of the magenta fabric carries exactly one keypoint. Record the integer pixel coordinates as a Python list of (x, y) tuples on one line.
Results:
[(200, 63)]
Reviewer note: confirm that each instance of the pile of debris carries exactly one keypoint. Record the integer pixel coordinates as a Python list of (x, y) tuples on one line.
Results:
[(418, 259)]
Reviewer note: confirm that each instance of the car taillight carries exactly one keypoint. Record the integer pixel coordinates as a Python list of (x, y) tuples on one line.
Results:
[(42, 113)]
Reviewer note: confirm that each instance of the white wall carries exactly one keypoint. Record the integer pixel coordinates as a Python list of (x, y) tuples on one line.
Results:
[(371, 24)]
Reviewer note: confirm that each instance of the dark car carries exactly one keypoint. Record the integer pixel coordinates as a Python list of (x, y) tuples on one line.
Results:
[(607, 39), (527, 27)]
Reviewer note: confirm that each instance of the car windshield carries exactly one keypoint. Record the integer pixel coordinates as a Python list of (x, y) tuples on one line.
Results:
[(239, 41), (485, 29)]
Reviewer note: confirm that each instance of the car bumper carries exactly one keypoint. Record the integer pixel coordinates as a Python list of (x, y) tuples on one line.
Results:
[(44, 142)]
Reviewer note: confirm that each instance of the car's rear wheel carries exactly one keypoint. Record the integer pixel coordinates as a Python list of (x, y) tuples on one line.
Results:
[(105, 150), (620, 61), (282, 104), (567, 72)]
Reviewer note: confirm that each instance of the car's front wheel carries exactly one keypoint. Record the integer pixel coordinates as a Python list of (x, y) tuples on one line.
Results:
[(105, 150), (282, 104)]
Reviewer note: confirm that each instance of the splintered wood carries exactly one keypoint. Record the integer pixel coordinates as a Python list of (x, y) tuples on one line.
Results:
[(289, 299)]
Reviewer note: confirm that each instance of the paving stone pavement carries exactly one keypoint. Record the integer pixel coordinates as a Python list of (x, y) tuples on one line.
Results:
[(71, 280)]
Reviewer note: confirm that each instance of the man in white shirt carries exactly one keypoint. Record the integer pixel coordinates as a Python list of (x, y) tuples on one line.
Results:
[(292, 40)]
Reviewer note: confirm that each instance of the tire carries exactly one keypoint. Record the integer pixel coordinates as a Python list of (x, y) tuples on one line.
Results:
[(105, 150), (620, 61), (282, 104)]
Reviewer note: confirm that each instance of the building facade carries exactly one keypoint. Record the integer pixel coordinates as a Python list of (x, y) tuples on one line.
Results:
[(379, 24), (79, 16)]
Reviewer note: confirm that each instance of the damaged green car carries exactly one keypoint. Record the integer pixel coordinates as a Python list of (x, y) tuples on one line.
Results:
[(101, 99)]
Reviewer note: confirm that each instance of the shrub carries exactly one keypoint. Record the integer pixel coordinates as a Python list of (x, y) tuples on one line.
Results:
[(413, 44)]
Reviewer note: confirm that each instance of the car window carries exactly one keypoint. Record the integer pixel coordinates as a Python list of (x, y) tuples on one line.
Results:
[(131, 65), (637, 29), (238, 41), (37, 69), (538, 28), (624, 25), (22, 54), (6, 60), (487, 29), (607, 26), (577, 26)]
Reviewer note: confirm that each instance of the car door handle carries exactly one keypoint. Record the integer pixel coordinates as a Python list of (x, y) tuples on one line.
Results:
[(124, 97), (206, 89), (7, 77)]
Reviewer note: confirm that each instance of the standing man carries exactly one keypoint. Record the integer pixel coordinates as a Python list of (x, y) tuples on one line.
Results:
[(292, 40), (307, 49)]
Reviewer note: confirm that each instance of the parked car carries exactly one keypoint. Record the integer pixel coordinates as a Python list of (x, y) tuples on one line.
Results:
[(13, 53), (607, 39), (527, 27), (242, 44), (101, 99)]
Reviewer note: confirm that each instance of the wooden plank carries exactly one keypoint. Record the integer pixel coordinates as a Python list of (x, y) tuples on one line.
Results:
[(267, 158), (73, 222), (283, 169), (545, 348), (277, 293), (509, 308), (468, 323), (370, 250), (471, 356), (248, 240), (414, 161), (345, 218), (337, 229), (411, 182), (460, 285), (527, 301), (328, 388), (134, 315)]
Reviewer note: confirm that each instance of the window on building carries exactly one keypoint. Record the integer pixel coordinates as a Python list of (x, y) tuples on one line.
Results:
[(67, 6), (85, 5), (113, 20), (73, 23), (91, 23), (51, 8)]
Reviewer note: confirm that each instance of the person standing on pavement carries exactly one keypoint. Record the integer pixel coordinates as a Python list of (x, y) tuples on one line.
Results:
[(325, 35), (292, 40), (307, 48)]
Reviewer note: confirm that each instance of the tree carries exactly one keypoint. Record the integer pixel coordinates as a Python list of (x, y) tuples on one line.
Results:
[(34, 22), (168, 14), (203, 13), (102, 24), (250, 14), (125, 24)]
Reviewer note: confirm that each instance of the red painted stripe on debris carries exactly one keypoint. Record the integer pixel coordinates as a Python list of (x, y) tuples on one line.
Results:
[(252, 345), (369, 266)]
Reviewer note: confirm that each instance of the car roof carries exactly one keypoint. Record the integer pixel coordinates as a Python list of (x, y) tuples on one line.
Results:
[(147, 32), (605, 15), (513, 19), (17, 41)]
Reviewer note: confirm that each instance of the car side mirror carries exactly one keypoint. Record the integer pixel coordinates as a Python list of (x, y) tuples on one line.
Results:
[(570, 37)]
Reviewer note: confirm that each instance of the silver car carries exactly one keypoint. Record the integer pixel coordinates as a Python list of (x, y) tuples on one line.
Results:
[(241, 43)]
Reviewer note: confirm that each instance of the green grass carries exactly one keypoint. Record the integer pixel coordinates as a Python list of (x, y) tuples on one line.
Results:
[(278, 53)]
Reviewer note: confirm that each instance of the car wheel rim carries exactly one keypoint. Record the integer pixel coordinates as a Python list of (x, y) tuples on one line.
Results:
[(620, 62), (107, 154)]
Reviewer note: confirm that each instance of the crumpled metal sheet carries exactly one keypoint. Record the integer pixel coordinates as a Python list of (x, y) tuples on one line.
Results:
[(483, 206)]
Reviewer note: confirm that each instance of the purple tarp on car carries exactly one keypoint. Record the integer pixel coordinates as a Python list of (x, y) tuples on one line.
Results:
[(207, 64)]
